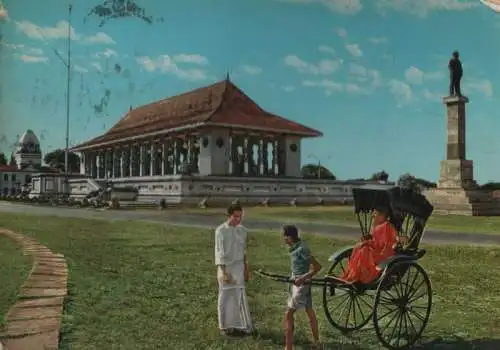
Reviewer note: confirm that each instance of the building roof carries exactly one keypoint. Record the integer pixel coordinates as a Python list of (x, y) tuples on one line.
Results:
[(28, 143), (8, 168), (221, 104)]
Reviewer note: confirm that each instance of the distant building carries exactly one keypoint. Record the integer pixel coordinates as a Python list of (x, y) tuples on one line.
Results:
[(28, 156)]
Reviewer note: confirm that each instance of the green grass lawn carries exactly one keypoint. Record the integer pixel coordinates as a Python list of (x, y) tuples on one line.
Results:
[(343, 215), (14, 269), (147, 286)]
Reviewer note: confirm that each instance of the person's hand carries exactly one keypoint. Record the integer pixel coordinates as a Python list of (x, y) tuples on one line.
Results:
[(227, 278), (299, 281)]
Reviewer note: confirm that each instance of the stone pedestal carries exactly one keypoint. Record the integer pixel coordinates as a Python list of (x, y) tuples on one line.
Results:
[(457, 192)]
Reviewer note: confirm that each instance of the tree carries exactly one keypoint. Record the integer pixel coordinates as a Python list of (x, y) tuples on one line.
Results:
[(310, 171), (409, 181), (56, 159), (3, 159), (12, 160), (380, 176)]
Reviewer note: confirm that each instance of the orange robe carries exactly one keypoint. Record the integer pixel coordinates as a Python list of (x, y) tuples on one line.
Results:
[(362, 266)]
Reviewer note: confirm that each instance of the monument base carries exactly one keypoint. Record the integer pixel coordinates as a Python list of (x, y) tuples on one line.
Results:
[(457, 173), (460, 201)]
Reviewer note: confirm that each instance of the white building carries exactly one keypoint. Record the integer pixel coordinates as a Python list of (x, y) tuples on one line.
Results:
[(28, 157)]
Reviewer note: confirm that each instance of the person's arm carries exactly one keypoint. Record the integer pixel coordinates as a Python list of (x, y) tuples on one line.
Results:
[(221, 252), (247, 270), (314, 268)]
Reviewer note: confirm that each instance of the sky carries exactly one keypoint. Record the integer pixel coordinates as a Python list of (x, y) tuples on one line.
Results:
[(369, 74)]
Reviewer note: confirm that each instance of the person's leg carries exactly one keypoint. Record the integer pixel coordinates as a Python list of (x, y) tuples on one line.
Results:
[(289, 329), (452, 86), (457, 87), (313, 322)]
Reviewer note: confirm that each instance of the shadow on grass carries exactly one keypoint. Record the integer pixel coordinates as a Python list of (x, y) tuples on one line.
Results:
[(460, 344)]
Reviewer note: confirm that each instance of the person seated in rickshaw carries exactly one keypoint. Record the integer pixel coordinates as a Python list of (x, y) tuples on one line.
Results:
[(373, 249)]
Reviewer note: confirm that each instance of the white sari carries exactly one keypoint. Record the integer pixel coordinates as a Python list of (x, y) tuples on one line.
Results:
[(230, 246)]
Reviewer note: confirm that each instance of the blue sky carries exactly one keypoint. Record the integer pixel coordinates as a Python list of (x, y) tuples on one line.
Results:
[(369, 74)]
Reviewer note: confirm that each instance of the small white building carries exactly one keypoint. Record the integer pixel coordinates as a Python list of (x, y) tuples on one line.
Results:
[(13, 180), (28, 164)]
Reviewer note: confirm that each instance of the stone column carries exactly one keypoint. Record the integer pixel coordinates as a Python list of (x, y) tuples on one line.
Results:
[(83, 164), (265, 157), (142, 159), (163, 157), (123, 163), (132, 163), (152, 159), (456, 171)]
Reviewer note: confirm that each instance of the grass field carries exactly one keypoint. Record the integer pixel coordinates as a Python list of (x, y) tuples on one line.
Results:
[(14, 269), (146, 286), (344, 216)]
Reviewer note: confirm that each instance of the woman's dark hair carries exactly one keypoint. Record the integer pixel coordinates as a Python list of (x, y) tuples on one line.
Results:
[(384, 210), (233, 208)]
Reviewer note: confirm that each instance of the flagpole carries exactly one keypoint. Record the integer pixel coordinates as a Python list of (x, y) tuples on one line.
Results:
[(68, 85)]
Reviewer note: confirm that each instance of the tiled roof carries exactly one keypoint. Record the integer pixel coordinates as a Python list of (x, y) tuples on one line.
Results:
[(8, 168), (221, 104)]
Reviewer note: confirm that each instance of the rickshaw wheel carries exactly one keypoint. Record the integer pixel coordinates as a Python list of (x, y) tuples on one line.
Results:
[(402, 305), (347, 307)]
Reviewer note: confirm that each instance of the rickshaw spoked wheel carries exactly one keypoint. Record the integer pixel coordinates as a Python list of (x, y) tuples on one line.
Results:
[(347, 308), (402, 305)]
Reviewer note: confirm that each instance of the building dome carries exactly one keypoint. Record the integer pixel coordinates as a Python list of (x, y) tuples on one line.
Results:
[(28, 143)]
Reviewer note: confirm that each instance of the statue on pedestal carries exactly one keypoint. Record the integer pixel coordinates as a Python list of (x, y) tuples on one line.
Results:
[(456, 73)]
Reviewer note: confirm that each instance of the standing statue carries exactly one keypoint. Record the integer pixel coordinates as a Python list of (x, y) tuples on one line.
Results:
[(456, 72)]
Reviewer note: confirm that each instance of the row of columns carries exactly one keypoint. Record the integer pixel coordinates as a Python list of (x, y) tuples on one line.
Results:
[(248, 155), (255, 156), (167, 157)]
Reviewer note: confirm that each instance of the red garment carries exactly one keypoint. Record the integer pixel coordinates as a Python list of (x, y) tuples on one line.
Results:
[(362, 266)]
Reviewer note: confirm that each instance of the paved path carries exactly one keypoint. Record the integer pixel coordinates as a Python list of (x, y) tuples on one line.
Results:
[(211, 220), (34, 321)]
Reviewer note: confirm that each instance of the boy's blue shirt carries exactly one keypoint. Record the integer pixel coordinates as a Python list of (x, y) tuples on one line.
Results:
[(300, 258)]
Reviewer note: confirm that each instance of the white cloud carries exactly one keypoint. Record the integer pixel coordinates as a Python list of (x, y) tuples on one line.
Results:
[(482, 85), (378, 40), (33, 31), (323, 67), (342, 32), (288, 88), (100, 38), (416, 76), (33, 59), (252, 70), (326, 49), (80, 69), (97, 66), (166, 64), (338, 6), (354, 50), (34, 51), (329, 86), (422, 7), (401, 91), (107, 53), (60, 31), (191, 58), (413, 75), (4, 15), (364, 74)]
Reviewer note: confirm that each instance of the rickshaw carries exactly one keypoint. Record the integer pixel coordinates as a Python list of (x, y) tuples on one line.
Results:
[(399, 301)]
